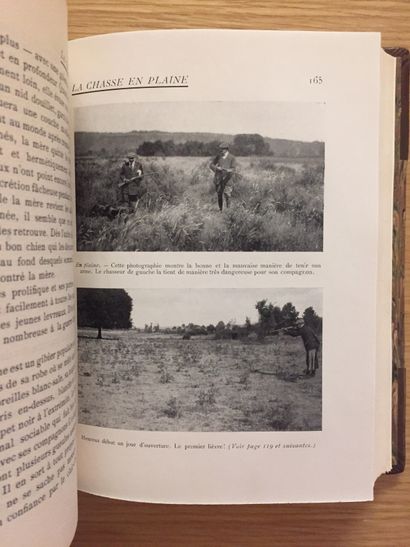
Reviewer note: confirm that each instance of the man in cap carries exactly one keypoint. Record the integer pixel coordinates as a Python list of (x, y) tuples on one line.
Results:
[(310, 341), (223, 165), (131, 176)]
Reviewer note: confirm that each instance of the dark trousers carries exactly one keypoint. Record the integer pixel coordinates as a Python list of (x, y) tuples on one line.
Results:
[(312, 361), (221, 200)]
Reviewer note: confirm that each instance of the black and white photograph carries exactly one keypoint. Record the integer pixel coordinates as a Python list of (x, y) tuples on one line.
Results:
[(200, 176), (200, 359)]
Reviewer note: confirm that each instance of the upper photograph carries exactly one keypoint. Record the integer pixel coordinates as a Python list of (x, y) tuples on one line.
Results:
[(200, 176)]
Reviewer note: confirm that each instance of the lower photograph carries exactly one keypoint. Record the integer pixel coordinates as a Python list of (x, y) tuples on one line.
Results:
[(200, 359)]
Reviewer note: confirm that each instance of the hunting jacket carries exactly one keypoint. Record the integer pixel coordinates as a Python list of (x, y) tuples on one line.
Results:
[(309, 338), (129, 171), (229, 162)]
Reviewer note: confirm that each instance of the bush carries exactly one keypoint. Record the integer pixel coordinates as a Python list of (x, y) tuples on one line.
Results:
[(165, 377), (172, 409), (207, 396)]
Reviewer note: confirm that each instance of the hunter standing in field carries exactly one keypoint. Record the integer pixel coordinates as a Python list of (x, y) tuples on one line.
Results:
[(223, 165), (131, 176), (310, 341)]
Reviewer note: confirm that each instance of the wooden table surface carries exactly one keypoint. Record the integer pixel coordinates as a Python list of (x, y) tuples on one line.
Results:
[(386, 521)]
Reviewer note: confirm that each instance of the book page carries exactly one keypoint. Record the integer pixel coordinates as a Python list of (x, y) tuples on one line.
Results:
[(384, 338), (38, 384), (227, 197)]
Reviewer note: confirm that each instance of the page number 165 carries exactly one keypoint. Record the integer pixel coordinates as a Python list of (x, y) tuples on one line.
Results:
[(316, 80)]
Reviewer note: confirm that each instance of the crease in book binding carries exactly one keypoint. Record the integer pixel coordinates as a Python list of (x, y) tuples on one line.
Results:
[(399, 203)]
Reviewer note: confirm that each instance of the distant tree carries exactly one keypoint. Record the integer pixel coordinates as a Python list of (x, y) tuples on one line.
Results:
[(250, 145), (277, 315), (266, 317), (159, 148), (248, 324), (104, 309), (147, 148), (212, 148), (219, 329), (229, 325), (289, 314), (192, 148), (170, 148), (155, 328), (210, 329), (312, 319)]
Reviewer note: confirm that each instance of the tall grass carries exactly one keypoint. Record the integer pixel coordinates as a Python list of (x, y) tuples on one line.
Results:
[(275, 207)]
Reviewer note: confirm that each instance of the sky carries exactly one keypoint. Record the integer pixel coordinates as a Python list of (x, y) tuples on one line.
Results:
[(278, 120), (173, 307)]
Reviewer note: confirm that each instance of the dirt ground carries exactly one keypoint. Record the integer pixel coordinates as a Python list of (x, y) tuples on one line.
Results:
[(157, 382)]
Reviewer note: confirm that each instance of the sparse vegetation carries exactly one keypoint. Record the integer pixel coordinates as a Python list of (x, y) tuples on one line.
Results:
[(206, 397), (155, 381), (172, 408), (165, 377), (244, 378)]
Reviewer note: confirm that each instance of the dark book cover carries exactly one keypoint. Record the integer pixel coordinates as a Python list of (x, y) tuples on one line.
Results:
[(399, 203)]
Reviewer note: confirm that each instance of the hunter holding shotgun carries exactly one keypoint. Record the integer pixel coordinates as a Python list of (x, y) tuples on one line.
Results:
[(223, 165), (311, 342), (131, 176)]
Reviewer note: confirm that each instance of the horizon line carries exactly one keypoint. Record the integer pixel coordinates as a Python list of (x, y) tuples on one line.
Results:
[(196, 133)]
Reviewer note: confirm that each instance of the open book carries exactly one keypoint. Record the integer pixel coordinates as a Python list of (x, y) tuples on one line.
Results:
[(218, 207)]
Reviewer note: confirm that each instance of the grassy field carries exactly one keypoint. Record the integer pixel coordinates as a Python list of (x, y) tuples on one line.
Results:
[(277, 205), (159, 382)]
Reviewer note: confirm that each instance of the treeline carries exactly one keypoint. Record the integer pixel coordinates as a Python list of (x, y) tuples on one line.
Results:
[(111, 309), (242, 145), (271, 320), (190, 328), (115, 145)]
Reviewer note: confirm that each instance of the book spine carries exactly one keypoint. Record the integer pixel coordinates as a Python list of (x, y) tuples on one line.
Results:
[(400, 166)]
